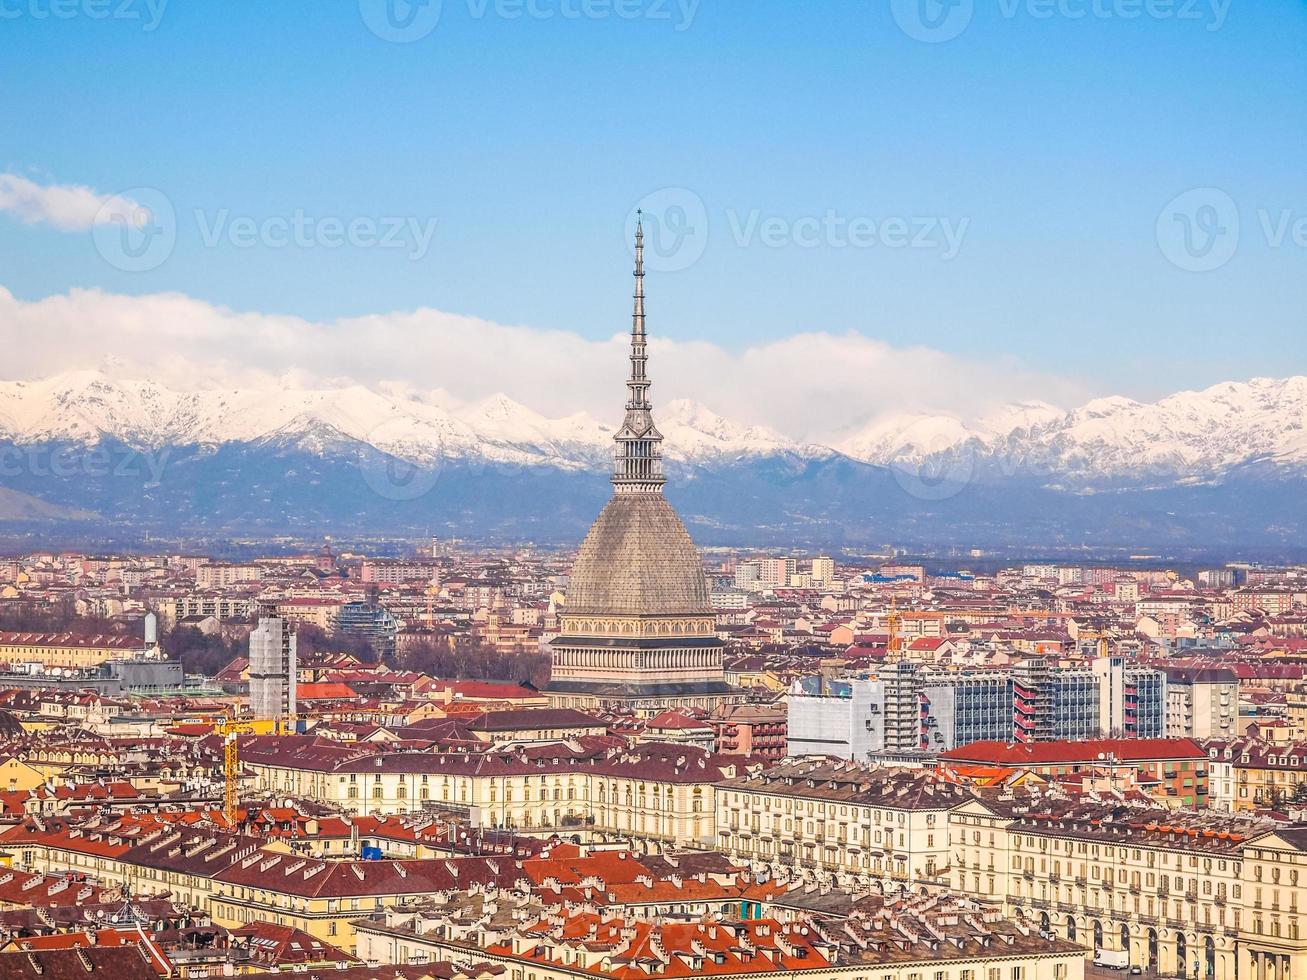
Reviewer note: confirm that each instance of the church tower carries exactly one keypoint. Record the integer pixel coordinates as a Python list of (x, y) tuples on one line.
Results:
[(637, 629)]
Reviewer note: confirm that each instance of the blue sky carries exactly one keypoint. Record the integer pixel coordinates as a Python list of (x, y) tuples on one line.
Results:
[(1049, 137)]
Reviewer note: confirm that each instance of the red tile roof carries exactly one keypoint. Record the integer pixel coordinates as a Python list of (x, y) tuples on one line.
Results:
[(1065, 753)]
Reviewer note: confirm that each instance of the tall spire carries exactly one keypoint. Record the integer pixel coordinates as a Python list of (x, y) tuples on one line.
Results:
[(639, 466)]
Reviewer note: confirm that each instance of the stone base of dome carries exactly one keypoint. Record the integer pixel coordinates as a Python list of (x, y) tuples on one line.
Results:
[(643, 699)]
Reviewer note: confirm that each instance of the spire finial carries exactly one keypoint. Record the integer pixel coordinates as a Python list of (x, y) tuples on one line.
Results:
[(639, 459)]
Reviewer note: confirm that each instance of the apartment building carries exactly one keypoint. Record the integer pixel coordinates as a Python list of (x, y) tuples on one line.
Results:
[(653, 791), (845, 720), (751, 729), (915, 707), (1272, 938), (221, 576), (1201, 702), (1176, 891), (1257, 774), (840, 816), (68, 649)]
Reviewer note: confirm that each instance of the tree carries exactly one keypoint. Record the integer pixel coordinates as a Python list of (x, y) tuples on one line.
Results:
[(470, 659), (199, 652)]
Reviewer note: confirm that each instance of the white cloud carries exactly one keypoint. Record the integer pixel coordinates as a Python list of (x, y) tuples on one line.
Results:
[(808, 386), (68, 207)]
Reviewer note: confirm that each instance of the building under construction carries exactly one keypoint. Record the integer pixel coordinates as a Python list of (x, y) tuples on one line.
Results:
[(272, 670)]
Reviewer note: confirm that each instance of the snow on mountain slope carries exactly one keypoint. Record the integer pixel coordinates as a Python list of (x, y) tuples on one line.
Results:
[(1191, 435), (904, 438), (912, 438), (420, 427), (1188, 434), (692, 432)]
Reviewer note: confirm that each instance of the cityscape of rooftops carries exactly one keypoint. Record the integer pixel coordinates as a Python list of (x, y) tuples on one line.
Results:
[(609, 489)]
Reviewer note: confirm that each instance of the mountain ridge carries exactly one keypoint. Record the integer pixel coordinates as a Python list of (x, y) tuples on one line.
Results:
[(1223, 468), (1185, 436)]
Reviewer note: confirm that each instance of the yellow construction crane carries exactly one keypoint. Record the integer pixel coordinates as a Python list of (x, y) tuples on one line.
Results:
[(1104, 640), (230, 729), (894, 649)]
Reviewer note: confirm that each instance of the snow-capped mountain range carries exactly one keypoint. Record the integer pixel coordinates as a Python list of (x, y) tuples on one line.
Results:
[(1221, 468), (1192, 435), (419, 427)]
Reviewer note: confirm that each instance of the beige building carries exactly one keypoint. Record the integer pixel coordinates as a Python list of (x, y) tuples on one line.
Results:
[(653, 791), (1259, 774), (840, 816), (1176, 891), (1273, 944), (1201, 703), (68, 649)]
